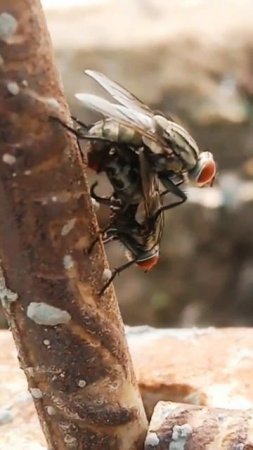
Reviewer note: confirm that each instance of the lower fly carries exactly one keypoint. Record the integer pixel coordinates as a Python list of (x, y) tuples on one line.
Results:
[(140, 237)]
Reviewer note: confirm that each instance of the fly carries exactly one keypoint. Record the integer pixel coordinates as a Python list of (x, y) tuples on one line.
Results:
[(119, 160), (169, 148), (138, 227)]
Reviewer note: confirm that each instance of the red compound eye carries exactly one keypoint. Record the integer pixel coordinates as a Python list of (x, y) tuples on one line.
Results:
[(148, 264), (207, 174)]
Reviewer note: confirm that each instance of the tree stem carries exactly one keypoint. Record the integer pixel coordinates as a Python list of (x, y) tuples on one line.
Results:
[(70, 341)]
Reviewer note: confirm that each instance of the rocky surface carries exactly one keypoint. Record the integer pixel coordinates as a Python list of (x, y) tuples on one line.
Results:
[(202, 367), (19, 425), (209, 367), (177, 426)]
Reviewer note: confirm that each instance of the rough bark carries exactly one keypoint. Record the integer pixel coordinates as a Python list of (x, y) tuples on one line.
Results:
[(70, 342), (175, 426)]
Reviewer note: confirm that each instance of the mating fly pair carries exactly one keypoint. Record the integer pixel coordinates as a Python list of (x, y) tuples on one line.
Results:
[(139, 151)]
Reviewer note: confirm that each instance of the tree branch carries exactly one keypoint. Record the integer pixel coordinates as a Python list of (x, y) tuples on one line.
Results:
[(70, 341)]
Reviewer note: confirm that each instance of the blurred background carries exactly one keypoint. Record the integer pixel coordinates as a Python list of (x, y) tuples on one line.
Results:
[(193, 58)]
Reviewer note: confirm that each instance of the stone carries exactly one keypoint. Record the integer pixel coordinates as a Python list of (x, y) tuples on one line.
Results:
[(183, 427), (204, 369)]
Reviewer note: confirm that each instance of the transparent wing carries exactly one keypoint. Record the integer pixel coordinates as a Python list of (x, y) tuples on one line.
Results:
[(119, 93), (150, 189), (115, 111)]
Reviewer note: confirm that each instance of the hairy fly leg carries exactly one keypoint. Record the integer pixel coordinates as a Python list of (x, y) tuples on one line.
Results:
[(115, 272), (173, 186), (81, 132)]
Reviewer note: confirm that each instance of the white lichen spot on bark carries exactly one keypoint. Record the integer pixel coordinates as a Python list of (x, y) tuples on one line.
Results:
[(52, 102), (6, 295), (107, 273), (8, 25), (24, 83), (50, 410), (44, 314), (36, 393), (68, 226), (13, 88), (68, 262), (8, 159)]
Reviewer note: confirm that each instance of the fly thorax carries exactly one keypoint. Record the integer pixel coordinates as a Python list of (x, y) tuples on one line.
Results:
[(154, 146), (161, 124), (179, 140)]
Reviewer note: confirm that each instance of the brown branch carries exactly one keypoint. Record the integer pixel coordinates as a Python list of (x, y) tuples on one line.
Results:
[(70, 341)]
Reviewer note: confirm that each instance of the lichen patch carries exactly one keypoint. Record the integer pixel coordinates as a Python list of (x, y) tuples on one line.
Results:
[(44, 314)]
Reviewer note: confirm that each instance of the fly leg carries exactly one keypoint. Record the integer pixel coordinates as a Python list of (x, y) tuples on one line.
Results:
[(115, 272), (172, 186), (72, 130), (166, 207), (105, 240), (79, 122), (109, 201), (79, 133), (109, 227)]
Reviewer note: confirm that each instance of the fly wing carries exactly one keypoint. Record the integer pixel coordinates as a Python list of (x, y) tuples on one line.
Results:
[(148, 208), (122, 95), (150, 190), (115, 111), (119, 93)]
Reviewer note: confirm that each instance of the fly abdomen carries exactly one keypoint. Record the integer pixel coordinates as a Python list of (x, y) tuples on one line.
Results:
[(125, 181), (115, 131)]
